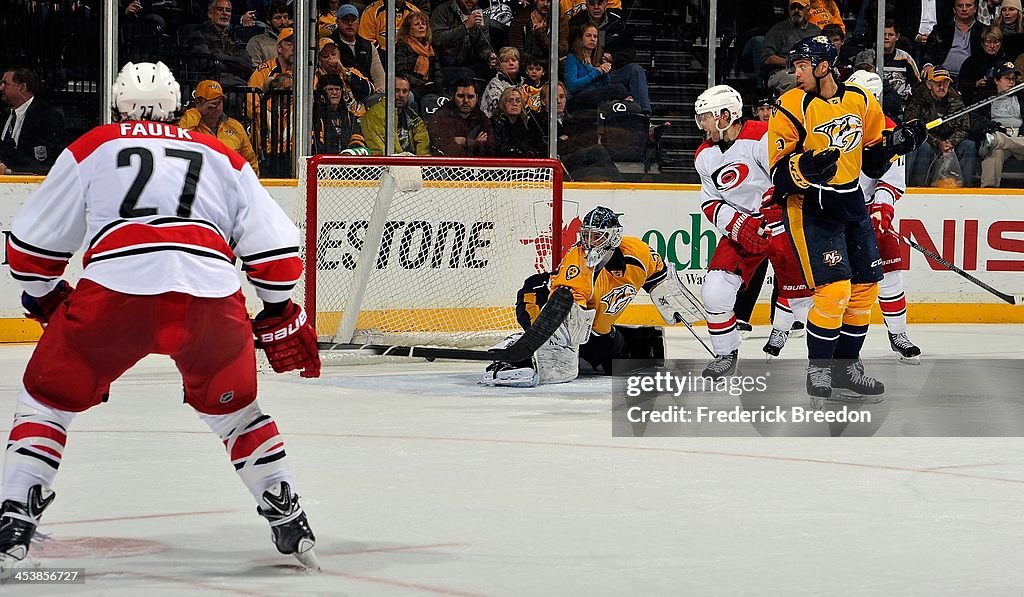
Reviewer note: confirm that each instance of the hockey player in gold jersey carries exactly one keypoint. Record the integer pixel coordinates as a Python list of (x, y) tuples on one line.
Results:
[(821, 135), (604, 270)]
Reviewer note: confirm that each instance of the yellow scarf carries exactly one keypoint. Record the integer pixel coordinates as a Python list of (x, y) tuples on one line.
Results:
[(424, 52)]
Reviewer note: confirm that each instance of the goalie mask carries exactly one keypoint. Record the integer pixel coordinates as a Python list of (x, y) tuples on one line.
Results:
[(600, 235)]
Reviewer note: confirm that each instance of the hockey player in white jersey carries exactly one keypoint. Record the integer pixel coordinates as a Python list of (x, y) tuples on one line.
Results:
[(161, 214), (733, 167), (881, 196)]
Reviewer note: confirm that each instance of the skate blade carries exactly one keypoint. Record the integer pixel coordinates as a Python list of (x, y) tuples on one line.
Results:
[(796, 333), (10, 564), (850, 397), (306, 556), (911, 360)]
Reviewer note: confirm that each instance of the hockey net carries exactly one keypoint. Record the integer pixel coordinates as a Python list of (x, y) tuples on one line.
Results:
[(439, 264)]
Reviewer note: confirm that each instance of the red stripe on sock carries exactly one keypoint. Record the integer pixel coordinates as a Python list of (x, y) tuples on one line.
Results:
[(29, 429), (724, 325), (248, 442), (892, 307)]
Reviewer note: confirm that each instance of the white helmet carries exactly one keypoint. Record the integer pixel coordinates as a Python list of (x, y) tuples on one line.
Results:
[(146, 91), (867, 81), (716, 99)]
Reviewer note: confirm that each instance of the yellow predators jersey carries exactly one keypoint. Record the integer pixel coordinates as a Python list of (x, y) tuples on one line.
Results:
[(849, 122), (633, 266)]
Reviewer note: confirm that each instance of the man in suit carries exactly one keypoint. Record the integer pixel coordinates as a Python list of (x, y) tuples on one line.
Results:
[(33, 133)]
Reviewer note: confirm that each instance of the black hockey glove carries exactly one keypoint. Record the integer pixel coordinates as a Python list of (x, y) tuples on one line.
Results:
[(905, 138), (814, 167)]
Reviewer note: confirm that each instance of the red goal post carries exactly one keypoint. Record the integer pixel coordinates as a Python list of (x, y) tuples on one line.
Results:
[(439, 264)]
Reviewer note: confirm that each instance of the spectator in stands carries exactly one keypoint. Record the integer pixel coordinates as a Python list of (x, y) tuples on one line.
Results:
[(208, 117), (616, 41), (777, 43), (586, 73), (326, 19), (952, 42), (529, 32), (844, 60), (1010, 17), (534, 79), (899, 69), (335, 127), (892, 103), (974, 83), (356, 86), (463, 41), (929, 101), (988, 12), (33, 133), (357, 52), (763, 104), (1000, 125), (508, 76), (277, 139), (134, 11), (516, 134), (583, 161), (825, 12), (411, 135), (567, 9), (414, 56), (217, 38), (460, 128), (283, 63), (917, 20), (373, 25), (263, 46)]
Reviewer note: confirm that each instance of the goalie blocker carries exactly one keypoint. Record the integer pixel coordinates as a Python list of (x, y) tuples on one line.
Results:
[(604, 272)]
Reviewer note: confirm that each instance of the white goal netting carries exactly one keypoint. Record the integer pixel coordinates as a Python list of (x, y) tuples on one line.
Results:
[(440, 265)]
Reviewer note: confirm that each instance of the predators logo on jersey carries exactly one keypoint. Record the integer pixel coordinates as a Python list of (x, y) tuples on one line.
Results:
[(617, 299), (843, 132)]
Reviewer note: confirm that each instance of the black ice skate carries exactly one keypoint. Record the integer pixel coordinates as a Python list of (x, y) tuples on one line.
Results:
[(18, 522), (288, 524), (819, 384), (797, 331), (858, 387), (722, 366), (744, 328), (909, 353), (775, 342)]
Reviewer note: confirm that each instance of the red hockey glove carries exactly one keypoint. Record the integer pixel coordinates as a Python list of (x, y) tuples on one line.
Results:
[(881, 217), (41, 308), (284, 334), (750, 232)]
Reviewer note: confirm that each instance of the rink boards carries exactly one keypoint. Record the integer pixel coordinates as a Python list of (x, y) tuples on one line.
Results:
[(980, 230)]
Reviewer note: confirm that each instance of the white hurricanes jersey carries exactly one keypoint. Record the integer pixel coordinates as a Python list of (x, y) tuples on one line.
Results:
[(155, 209), (737, 179), (893, 183)]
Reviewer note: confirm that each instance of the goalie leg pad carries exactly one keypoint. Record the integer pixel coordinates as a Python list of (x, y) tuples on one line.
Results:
[(512, 375), (675, 301), (557, 361), (255, 447)]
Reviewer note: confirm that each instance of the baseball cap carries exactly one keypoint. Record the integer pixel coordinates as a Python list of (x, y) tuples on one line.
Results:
[(346, 10), (940, 74), (803, 3), (1002, 68), (286, 33), (208, 90), (864, 57), (324, 42)]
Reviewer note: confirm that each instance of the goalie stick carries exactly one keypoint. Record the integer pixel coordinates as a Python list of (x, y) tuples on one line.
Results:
[(1013, 299), (551, 316)]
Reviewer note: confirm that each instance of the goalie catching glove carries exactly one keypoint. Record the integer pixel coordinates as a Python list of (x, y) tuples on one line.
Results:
[(43, 307), (750, 232), (283, 332)]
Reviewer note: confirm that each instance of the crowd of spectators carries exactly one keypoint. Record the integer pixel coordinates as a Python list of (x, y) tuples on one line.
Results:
[(469, 76)]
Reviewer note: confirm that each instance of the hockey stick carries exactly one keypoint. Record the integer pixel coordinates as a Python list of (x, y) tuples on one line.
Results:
[(694, 332), (555, 310), (968, 109), (1013, 299)]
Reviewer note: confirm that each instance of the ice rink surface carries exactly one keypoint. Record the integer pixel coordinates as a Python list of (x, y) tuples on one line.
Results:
[(417, 481)]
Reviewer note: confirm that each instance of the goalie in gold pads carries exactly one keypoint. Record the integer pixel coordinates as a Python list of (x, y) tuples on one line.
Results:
[(604, 270), (820, 136)]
